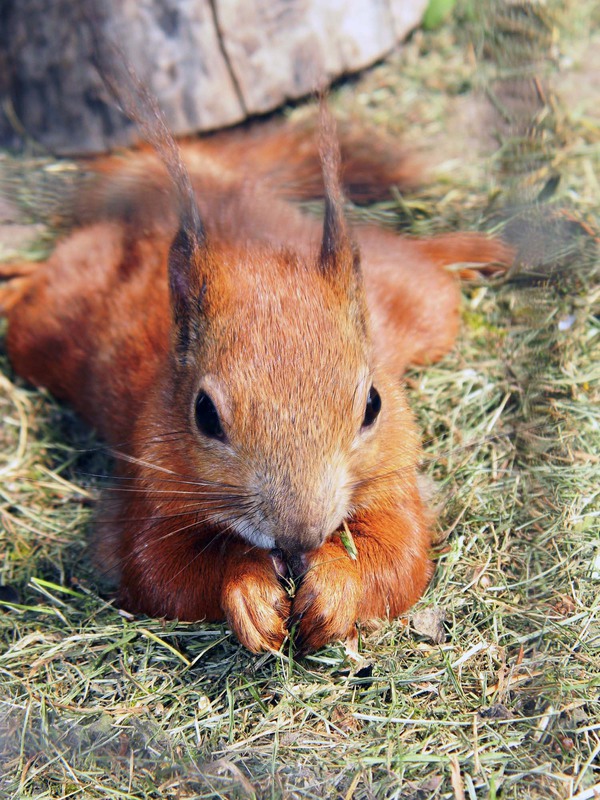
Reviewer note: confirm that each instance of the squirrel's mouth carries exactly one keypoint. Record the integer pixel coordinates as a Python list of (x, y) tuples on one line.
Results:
[(288, 565)]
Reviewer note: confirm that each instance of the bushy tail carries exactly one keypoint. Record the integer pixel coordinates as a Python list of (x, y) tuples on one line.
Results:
[(469, 254), (286, 156), (283, 159)]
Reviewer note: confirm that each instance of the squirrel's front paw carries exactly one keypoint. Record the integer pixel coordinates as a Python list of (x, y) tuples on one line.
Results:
[(326, 604), (255, 604)]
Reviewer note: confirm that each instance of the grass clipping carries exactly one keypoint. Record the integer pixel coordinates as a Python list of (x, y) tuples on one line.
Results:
[(490, 688)]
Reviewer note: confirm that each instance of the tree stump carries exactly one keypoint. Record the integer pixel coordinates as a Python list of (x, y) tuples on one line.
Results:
[(210, 63)]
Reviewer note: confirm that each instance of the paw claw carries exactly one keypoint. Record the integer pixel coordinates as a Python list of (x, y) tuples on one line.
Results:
[(326, 605), (256, 607)]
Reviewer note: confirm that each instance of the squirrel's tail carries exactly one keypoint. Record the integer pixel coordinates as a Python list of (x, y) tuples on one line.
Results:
[(282, 158), (286, 156)]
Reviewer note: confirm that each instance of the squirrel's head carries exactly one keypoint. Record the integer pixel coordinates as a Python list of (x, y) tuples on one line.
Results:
[(273, 385)]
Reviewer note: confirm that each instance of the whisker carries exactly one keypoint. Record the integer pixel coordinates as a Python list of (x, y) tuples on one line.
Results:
[(200, 553), (198, 509), (132, 478), (104, 447), (159, 468), (226, 530), (208, 520), (147, 490), (124, 560), (140, 462)]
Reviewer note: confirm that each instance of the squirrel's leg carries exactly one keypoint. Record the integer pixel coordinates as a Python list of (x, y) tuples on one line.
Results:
[(391, 571), (413, 296), (14, 282), (255, 603), (186, 579)]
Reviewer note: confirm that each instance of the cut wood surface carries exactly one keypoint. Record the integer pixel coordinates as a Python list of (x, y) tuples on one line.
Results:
[(210, 63)]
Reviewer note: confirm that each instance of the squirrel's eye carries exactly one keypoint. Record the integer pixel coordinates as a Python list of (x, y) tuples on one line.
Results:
[(373, 407), (207, 417)]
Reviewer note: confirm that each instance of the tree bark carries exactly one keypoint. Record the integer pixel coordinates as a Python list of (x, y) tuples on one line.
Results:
[(210, 63)]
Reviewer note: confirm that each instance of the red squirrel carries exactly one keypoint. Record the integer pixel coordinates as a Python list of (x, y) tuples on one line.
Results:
[(244, 360)]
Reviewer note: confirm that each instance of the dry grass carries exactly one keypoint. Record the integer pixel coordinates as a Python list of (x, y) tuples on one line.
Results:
[(96, 705)]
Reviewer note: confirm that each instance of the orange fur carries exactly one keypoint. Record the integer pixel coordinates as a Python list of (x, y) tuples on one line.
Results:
[(268, 315)]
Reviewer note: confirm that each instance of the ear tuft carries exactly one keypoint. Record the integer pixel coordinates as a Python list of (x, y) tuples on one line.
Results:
[(188, 253), (336, 245), (187, 284)]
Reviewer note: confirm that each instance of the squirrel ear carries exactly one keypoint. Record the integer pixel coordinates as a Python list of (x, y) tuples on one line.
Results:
[(188, 253), (337, 249), (187, 279)]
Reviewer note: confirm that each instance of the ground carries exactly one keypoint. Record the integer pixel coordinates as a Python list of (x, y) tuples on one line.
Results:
[(490, 687)]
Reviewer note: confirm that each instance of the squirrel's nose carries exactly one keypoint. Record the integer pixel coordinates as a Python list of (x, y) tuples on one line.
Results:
[(296, 537)]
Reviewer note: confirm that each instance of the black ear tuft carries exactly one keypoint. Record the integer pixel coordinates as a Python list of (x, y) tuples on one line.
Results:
[(187, 256), (336, 246), (187, 285)]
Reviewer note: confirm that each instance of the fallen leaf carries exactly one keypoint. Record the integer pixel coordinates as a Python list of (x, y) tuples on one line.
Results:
[(430, 623)]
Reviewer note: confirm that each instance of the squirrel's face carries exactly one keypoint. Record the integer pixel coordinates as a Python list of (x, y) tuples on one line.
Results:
[(279, 399), (284, 421)]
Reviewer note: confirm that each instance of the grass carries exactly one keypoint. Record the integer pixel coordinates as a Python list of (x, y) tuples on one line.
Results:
[(490, 688)]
